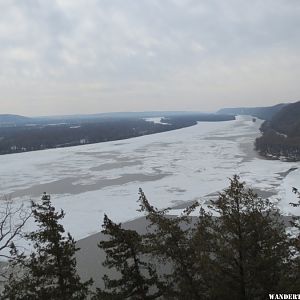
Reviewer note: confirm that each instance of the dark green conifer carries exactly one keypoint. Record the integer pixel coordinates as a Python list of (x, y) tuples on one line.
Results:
[(50, 270), (125, 252), (182, 245), (251, 249), (292, 280)]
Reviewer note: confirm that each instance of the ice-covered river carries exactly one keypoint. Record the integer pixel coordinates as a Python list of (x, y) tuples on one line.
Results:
[(172, 168)]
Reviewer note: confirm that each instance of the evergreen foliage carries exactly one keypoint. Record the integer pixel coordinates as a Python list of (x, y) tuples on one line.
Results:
[(251, 248), (293, 279), (183, 247), (243, 252), (124, 251), (50, 270)]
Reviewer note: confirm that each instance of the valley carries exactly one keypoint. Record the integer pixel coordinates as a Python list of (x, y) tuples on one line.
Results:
[(90, 180)]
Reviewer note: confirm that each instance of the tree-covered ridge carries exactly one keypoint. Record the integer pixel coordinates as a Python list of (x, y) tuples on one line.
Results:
[(13, 120), (281, 135), (48, 133), (264, 113), (241, 251), (287, 120)]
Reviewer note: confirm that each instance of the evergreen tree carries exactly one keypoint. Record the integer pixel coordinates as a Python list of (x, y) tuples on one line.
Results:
[(182, 247), (251, 247), (50, 270), (125, 252), (293, 279)]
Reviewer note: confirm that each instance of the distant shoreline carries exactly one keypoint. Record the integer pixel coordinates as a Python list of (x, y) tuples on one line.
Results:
[(45, 136)]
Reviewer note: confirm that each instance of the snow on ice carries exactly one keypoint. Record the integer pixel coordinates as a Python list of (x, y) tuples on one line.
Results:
[(173, 167)]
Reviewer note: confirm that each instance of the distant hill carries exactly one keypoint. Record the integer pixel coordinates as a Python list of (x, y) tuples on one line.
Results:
[(281, 135), (8, 119), (114, 115), (20, 134), (287, 120), (264, 113)]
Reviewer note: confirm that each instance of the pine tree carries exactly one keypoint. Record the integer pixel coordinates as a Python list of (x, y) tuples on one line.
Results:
[(251, 247), (182, 247), (50, 270), (126, 252), (293, 279)]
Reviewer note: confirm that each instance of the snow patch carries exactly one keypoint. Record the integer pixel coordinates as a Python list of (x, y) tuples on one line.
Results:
[(173, 167)]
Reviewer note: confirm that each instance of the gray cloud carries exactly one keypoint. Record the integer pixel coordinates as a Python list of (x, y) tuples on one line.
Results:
[(68, 56)]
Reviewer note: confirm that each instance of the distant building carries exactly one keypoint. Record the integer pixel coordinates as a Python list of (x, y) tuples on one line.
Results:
[(83, 141), (13, 148)]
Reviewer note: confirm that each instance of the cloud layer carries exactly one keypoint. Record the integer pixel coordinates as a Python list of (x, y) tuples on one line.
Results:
[(87, 56)]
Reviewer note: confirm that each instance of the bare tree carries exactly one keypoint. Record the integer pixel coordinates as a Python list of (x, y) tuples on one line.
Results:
[(12, 220)]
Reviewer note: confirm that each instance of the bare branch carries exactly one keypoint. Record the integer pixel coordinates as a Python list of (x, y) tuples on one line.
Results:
[(12, 220)]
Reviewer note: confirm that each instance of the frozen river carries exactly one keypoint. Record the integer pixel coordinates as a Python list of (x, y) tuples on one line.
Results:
[(171, 167)]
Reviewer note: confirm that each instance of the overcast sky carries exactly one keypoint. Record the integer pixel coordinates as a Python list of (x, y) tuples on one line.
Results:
[(88, 56)]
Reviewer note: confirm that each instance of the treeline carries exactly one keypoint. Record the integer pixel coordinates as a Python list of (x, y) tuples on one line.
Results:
[(242, 252), (43, 136), (264, 113), (281, 135), (276, 145)]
